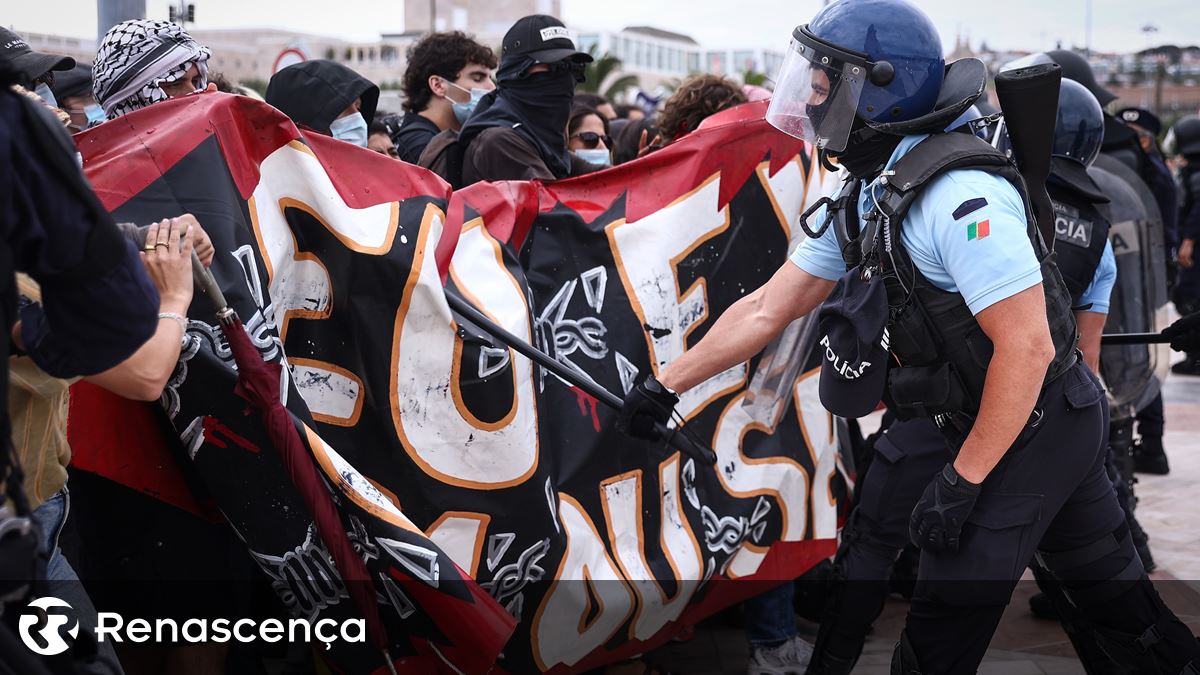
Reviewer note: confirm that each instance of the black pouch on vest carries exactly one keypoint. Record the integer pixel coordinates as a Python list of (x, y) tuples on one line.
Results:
[(908, 334), (923, 391)]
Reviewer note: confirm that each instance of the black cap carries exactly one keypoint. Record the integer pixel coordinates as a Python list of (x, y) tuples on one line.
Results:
[(1075, 67), (542, 38), (852, 337), (19, 57), (1141, 117), (74, 82)]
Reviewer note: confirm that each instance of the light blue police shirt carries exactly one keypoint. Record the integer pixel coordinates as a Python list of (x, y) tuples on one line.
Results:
[(966, 232), (1098, 292)]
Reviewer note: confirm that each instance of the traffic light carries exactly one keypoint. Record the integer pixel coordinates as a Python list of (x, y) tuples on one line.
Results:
[(172, 15), (191, 13)]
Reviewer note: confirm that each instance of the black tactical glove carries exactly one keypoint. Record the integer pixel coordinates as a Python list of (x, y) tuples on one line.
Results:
[(647, 403), (938, 518), (1185, 334)]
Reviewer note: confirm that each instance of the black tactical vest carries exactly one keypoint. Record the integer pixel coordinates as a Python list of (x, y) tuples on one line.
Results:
[(1080, 231), (940, 353), (1190, 182)]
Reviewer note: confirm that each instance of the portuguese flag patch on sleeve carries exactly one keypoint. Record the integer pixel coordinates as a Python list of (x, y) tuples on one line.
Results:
[(978, 230)]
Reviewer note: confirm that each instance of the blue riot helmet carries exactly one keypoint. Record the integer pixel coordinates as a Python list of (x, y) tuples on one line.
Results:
[(1079, 126), (877, 60)]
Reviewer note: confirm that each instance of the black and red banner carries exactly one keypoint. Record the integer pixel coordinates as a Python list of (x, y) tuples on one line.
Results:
[(501, 516)]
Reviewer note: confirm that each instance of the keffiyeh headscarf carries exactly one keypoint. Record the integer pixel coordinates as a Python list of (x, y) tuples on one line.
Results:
[(136, 57)]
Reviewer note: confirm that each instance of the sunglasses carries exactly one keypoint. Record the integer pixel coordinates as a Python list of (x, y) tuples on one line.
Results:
[(591, 139)]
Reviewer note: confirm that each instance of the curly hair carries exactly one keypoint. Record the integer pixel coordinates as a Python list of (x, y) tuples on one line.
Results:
[(444, 55), (698, 97)]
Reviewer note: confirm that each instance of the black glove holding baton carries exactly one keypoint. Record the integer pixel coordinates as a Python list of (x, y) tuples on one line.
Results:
[(647, 406)]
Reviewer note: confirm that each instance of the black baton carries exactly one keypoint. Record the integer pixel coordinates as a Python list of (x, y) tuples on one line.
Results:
[(1134, 339), (673, 437)]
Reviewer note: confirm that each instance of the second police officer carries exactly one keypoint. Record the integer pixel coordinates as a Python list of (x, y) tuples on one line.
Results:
[(951, 310)]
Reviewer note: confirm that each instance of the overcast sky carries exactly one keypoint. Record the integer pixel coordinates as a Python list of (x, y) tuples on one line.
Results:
[(1015, 24)]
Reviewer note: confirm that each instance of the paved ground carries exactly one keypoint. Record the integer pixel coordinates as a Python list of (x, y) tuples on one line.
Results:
[(1025, 645)]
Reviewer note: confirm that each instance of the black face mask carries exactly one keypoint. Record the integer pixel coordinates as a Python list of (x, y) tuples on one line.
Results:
[(867, 151), (536, 105)]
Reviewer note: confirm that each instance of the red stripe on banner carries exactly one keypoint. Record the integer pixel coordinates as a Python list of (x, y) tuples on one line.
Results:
[(124, 156), (134, 451), (649, 183)]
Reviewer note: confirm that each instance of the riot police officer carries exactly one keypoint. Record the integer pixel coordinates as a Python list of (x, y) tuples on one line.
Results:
[(1128, 139), (910, 452), (951, 310), (1184, 142)]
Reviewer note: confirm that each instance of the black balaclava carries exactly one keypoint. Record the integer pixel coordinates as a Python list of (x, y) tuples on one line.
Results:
[(867, 150), (536, 105)]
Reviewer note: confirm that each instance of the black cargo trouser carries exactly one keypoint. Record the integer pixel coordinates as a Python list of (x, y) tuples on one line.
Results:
[(1049, 494)]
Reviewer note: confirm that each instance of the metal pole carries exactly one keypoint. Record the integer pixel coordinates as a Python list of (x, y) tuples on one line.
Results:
[(673, 436), (1134, 339)]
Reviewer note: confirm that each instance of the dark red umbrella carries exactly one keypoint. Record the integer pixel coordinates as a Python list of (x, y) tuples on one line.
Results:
[(258, 383)]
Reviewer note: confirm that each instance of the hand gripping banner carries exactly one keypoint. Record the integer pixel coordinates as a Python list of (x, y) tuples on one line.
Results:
[(481, 490)]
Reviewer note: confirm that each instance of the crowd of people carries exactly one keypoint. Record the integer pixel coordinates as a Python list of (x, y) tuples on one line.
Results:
[(1030, 412)]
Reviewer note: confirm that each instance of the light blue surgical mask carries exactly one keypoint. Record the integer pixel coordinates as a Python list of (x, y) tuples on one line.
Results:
[(351, 128), (597, 156), (462, 111), (95, 115), (43, 91)]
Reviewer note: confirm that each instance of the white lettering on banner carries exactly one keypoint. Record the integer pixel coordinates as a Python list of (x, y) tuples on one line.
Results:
[(292, 178), (621, 498), (779, 477), (460, 535), (647, 253), (561, 631), (816, 423), (454, 447)]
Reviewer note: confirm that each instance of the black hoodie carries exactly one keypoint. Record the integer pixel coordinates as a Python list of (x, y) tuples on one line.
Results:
[(315, 93)]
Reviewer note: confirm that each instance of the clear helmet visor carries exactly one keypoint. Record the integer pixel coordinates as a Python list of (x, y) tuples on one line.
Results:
[(816, 97)]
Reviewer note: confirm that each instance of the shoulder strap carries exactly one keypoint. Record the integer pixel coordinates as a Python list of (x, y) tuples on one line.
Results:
[(945, 152)]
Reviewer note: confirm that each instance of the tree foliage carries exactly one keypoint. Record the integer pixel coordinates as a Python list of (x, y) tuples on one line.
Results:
[(604, 76)]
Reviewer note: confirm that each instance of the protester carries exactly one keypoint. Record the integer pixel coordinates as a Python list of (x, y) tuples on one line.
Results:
[(73, 91), (142, 62), (35, 71), (327, 97), (54, 228), (587, 137), (629, 112), (447, 74), (586, 99), (700, 96), (517, 131), (635, 140), (379, 140)]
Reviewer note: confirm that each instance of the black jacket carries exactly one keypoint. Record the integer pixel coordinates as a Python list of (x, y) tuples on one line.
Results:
[(315, 93), (415, 133)]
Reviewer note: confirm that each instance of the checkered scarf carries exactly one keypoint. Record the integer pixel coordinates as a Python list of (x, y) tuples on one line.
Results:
[(136, 57)]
